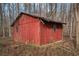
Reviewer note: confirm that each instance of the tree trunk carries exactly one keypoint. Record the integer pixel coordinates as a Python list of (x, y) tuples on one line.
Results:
[(9, 20), (77, 25), (3, 17)]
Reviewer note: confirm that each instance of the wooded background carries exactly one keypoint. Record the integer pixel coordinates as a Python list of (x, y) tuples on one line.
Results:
[(64, 12)]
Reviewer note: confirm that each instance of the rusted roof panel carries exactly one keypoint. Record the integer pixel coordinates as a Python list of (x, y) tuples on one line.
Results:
[(41, 18)]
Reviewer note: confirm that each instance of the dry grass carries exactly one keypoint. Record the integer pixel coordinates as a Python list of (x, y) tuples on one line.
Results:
[(8, 48)]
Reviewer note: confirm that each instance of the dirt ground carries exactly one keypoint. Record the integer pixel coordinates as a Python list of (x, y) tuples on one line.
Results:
[(62, 48)]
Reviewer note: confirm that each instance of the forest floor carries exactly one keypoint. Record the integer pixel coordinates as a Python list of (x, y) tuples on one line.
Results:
[(63, 48)]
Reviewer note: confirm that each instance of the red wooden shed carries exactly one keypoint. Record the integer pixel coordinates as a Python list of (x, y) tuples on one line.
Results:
[(31, 29)]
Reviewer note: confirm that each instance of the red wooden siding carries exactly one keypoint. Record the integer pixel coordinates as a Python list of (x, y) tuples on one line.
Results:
[(28, 30), (49, 35), (31, 30)]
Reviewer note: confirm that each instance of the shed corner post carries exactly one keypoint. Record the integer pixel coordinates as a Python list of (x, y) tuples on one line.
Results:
[(63, 32)]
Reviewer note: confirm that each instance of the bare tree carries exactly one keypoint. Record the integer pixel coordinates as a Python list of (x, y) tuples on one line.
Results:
[(77, 24), (3, 17), (10, 17)]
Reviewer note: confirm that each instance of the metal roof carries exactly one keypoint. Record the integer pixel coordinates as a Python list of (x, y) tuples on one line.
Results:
[(40, 18)]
